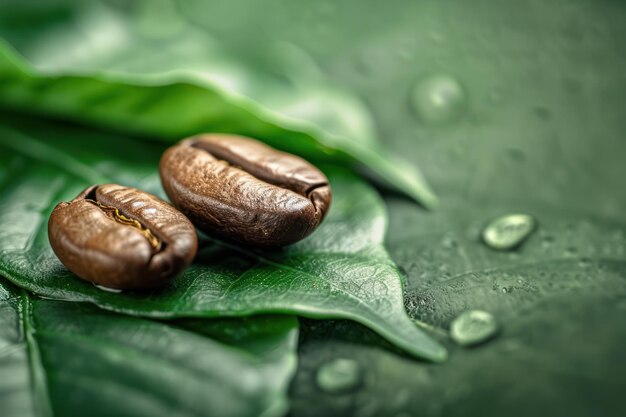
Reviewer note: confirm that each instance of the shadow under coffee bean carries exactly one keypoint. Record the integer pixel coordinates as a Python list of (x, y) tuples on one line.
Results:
[(229, 186), (242, 190), (121, 237)]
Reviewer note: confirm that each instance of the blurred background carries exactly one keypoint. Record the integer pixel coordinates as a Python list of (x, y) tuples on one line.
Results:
[(506, 106), (486, 96)]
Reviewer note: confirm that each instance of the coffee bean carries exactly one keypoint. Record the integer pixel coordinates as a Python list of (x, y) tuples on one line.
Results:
[(243, 190), (120, 237)]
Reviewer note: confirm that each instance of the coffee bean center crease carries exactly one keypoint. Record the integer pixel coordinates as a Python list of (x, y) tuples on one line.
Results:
[(114, 213), (239, 189)]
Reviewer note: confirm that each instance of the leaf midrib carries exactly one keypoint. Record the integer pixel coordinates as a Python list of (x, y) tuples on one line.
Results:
[(292, 269), (37, 371), (366, 315)]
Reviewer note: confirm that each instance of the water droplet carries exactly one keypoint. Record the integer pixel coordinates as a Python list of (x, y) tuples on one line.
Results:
[(473, 327), (508, 232), (439, 99), (338, 375), (448, 242), (107, 289)]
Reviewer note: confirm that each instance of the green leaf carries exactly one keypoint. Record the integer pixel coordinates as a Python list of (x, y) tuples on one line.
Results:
[(543, 134), (567, 254), (559, 301), (175, 87), (342, 270), (72, 359)]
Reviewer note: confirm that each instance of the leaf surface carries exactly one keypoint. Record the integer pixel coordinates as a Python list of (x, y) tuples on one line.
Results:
[(342, 270), (73, 359), (172, 87)]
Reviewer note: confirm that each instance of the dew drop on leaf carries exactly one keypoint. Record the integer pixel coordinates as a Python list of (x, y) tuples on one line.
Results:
[(473, 327), (508, 232), (338, 375), (439, 99)]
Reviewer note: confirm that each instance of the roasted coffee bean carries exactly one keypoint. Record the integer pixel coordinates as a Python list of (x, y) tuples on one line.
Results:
[(242, 190), (120, 237)]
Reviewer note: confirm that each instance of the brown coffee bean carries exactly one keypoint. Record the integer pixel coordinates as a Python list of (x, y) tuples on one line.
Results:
[(120, 237), (242, 190)]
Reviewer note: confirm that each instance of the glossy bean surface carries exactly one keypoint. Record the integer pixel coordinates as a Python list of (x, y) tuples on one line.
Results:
[(242, 190), (121, 237)]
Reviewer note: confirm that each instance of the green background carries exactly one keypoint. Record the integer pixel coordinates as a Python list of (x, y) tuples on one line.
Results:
[(543, 133), (539, 129)]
